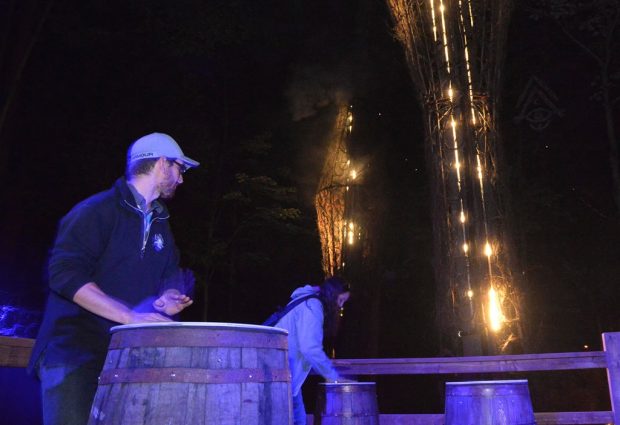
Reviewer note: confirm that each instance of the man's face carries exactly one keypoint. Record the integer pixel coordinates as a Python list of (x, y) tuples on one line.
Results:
[(172, 177)]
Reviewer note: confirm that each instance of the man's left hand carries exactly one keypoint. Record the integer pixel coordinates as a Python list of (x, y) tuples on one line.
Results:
[(172, 302)]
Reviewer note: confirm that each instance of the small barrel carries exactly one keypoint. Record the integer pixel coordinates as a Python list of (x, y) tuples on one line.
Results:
[(489, 403), (352, 403), (194, 373)]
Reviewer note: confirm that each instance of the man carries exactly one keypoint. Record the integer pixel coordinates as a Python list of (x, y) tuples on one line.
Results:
[(305, 323), (114, 262)]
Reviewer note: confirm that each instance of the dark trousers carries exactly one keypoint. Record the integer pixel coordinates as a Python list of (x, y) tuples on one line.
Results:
[(67, 392)]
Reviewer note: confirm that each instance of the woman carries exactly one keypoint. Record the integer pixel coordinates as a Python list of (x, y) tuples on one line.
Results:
[(305, 325)]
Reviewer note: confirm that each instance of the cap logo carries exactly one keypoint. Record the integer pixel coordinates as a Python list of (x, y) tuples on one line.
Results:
[(143, 155)]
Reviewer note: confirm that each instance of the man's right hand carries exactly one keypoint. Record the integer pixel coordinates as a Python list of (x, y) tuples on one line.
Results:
[(93, 299)]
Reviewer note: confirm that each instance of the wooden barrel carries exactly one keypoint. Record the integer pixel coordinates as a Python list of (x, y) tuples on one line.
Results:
[(346, 404), (489, 403), (194, 373)]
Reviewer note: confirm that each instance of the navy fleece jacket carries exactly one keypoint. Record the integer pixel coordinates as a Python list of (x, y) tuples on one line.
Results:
[(101, 240)]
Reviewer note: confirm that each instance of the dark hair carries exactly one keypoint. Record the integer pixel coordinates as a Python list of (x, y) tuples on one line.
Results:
[(141, 166), (331, 288)]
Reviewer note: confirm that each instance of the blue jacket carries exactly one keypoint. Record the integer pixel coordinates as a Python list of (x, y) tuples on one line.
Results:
[(304, 324), (102, 240)]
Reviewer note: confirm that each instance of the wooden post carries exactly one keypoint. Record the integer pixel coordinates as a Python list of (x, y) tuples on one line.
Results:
[(611, 345)]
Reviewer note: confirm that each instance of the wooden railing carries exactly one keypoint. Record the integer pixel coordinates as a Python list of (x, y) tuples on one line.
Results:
[(608, 359), (15, 352)]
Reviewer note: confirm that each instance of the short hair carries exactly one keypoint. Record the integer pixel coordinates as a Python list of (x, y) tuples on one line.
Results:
[(141, 166)]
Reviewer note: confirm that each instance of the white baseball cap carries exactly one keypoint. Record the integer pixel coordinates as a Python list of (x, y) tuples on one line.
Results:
[(156, 145)]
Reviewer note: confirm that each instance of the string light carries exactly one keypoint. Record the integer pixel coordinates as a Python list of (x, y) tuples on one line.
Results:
[(330, 201), (351, 233), (488, 251), (453, 35), (445, 35), (467, 64), (496, 318), (471, 14), (349, 124), (432, 2)]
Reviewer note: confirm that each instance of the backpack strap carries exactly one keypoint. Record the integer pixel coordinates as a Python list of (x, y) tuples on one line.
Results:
[(275, 317)]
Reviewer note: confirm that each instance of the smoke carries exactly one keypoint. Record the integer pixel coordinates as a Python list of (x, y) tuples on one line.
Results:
[(313, 88)]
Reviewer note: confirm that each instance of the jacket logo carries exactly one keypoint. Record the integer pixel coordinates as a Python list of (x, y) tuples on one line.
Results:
[(158, 242)]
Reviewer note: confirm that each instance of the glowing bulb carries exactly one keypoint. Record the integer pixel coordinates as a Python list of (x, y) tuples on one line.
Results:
[(470, 294), (488, 251), (495, 312), (450, 93), (350, 118), (353, 174), (462, 218), (348, 162), (465, 248)]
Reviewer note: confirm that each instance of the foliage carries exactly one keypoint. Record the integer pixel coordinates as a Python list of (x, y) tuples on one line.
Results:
[(594, 27)]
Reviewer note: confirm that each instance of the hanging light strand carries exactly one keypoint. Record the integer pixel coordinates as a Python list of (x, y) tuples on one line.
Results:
[(470, 85), (432, 3), (444, 31)]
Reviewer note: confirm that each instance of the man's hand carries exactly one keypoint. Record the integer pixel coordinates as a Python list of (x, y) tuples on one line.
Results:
[(93, 299), (172, 302)]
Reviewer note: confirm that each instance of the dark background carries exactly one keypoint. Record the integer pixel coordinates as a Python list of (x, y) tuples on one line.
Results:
[(250, 89)]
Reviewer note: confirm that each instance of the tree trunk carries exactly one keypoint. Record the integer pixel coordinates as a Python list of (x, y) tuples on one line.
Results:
[(610, 125)]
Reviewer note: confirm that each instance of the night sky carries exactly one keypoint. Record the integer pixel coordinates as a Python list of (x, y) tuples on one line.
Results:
[(251, 87)]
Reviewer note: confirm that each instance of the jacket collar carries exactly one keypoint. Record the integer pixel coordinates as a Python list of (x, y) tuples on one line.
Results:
[(128, 198)]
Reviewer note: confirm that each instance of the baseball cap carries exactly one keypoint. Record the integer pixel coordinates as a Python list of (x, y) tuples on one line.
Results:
[(156, 145)]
